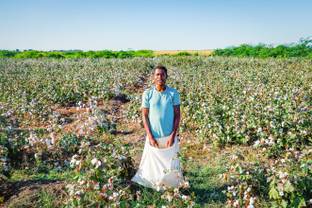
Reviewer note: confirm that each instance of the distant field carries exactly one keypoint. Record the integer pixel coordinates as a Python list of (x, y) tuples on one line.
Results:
[(302, 49), (173, 52)]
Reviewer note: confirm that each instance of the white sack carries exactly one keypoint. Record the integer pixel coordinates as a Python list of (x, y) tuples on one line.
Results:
[(159, 167)]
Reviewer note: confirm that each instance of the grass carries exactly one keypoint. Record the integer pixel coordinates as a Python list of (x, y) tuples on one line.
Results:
[(18, 175), (205, 182), (31, 189), (46, 199)]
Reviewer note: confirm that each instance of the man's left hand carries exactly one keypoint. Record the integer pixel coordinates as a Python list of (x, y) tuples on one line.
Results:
[(170, 140)]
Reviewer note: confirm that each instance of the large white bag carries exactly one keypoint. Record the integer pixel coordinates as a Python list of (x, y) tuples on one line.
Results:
[(159, 167)]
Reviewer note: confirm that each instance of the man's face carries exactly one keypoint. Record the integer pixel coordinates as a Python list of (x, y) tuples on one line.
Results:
[(160, 77)]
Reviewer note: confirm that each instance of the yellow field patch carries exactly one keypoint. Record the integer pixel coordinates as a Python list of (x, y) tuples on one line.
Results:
[(173, 52)]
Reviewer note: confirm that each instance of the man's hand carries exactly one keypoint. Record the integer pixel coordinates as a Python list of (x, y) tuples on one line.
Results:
[(145, 112), (170, 140), (154, 143), (177, 116)]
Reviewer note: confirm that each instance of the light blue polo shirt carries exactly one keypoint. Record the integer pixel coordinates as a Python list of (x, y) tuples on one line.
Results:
[(161, 113)]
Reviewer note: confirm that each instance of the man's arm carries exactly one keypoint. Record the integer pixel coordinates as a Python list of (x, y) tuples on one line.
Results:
[(177, 118), (176, 123), (146, 123)]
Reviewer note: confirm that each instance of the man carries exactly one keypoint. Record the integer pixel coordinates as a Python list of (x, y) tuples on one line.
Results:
[(160, 168), (161, 109)]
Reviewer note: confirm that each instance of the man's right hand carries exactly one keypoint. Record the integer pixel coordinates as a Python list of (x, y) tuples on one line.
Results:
[(145, 112), (153, 142)]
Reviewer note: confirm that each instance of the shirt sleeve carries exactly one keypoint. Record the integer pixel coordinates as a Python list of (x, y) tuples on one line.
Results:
[(145, 101), (176, 98)]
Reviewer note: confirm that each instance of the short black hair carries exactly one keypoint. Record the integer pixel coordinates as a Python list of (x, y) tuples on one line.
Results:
[(162, 68)]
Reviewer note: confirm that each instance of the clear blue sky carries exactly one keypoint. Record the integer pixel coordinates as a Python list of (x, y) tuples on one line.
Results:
[(151, 24)]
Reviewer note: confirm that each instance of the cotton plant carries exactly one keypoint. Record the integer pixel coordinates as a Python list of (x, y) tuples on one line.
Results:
[(101, 174)]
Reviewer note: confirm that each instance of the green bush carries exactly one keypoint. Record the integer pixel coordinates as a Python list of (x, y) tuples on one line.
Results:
[(301, 49), (75, 54)]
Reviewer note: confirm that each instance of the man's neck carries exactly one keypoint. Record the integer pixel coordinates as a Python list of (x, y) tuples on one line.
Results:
[(160, 88)]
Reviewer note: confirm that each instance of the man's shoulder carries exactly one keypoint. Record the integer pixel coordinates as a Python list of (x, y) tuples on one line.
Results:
[(172, 90), (147, 91)]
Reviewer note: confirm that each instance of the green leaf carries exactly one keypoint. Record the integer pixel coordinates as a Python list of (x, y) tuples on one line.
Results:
[(284, 203), (302, 202), (289, 187), (273, 193), (297, 201)]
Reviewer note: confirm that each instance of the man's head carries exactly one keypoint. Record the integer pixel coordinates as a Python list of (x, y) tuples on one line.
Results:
[(160, 75)]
